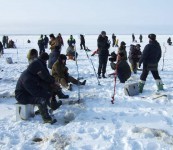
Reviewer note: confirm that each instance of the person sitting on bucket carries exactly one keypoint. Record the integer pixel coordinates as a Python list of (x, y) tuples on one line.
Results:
[(37, 86), (61, 75)]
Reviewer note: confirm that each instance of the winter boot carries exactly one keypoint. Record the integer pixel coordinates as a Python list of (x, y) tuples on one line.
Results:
[(99, 76), (141, 86), (54, 104), (159, 84), (44, 112), (83, 83), (61, 95), (103, 75), (69, 87)]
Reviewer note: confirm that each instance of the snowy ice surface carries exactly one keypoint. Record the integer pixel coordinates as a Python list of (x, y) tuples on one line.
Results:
[(132, 123)]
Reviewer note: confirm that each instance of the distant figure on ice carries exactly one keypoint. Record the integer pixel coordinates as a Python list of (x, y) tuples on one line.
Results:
[(169, 41), (61, 75), (82, 42), (60, 40), (134, 56), (150, 59), (41, 45), (32, 55), (122, 67), (55, 47), (4, 41), (133, 37), (103, 45), (71, 41), (11, 44), (71, 50), (140, 38), (46, 41), (113, 40), (28, 41), (37, 86), (116, 43), (1, 49)]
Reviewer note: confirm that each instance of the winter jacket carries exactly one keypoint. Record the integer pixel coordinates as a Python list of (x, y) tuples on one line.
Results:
[(151, 53), (82, 39), (54, 45), (1, 46), (71, 41), (46, 40), (40, 42), (103, 46), (123, 50), (123, 71), (32, 80), (134, 54), (60, 40), (59, 70)]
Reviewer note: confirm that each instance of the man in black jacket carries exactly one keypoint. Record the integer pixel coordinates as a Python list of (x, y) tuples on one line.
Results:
[(41, 45), (37, 86), (150, 59), (122, 67), (82, 42), (103, 46)]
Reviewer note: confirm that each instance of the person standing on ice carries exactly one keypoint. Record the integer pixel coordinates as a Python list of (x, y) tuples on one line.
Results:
[(113, 40), (60, 40), (46, 41), (103, 45), (150, 59), (55, 47), (133, 37), (134, 56), (41, 45), (140, 38), (82, 42), (122, 49)]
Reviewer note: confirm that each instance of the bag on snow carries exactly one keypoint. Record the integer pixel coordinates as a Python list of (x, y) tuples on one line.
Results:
[(131, 89), (9, 60)]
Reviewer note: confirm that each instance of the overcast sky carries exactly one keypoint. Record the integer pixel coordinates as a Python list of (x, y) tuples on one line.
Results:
[(86, 16)]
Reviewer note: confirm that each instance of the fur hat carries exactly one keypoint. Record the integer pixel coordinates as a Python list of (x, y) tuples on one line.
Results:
[(44, 56), (103, 33), (123, 43), (63, 57), (152, 36), (51, 36), (138, 45)]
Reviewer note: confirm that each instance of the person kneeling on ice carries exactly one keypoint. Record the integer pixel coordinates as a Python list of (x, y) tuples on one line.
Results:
[(37, 86), (61, 75), (32, 55), (123, 68), (71, 52), (150, 59)]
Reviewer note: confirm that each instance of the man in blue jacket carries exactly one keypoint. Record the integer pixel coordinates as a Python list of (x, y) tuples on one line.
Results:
[(150, 59)]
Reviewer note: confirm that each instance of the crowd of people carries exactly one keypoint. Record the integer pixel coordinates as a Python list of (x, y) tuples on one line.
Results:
[(49, 78)]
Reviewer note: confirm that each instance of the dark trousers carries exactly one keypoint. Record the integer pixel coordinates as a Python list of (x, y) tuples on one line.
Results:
[(102, 64), (82, 45), (42, 49), (133, 65), (146, 70)]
